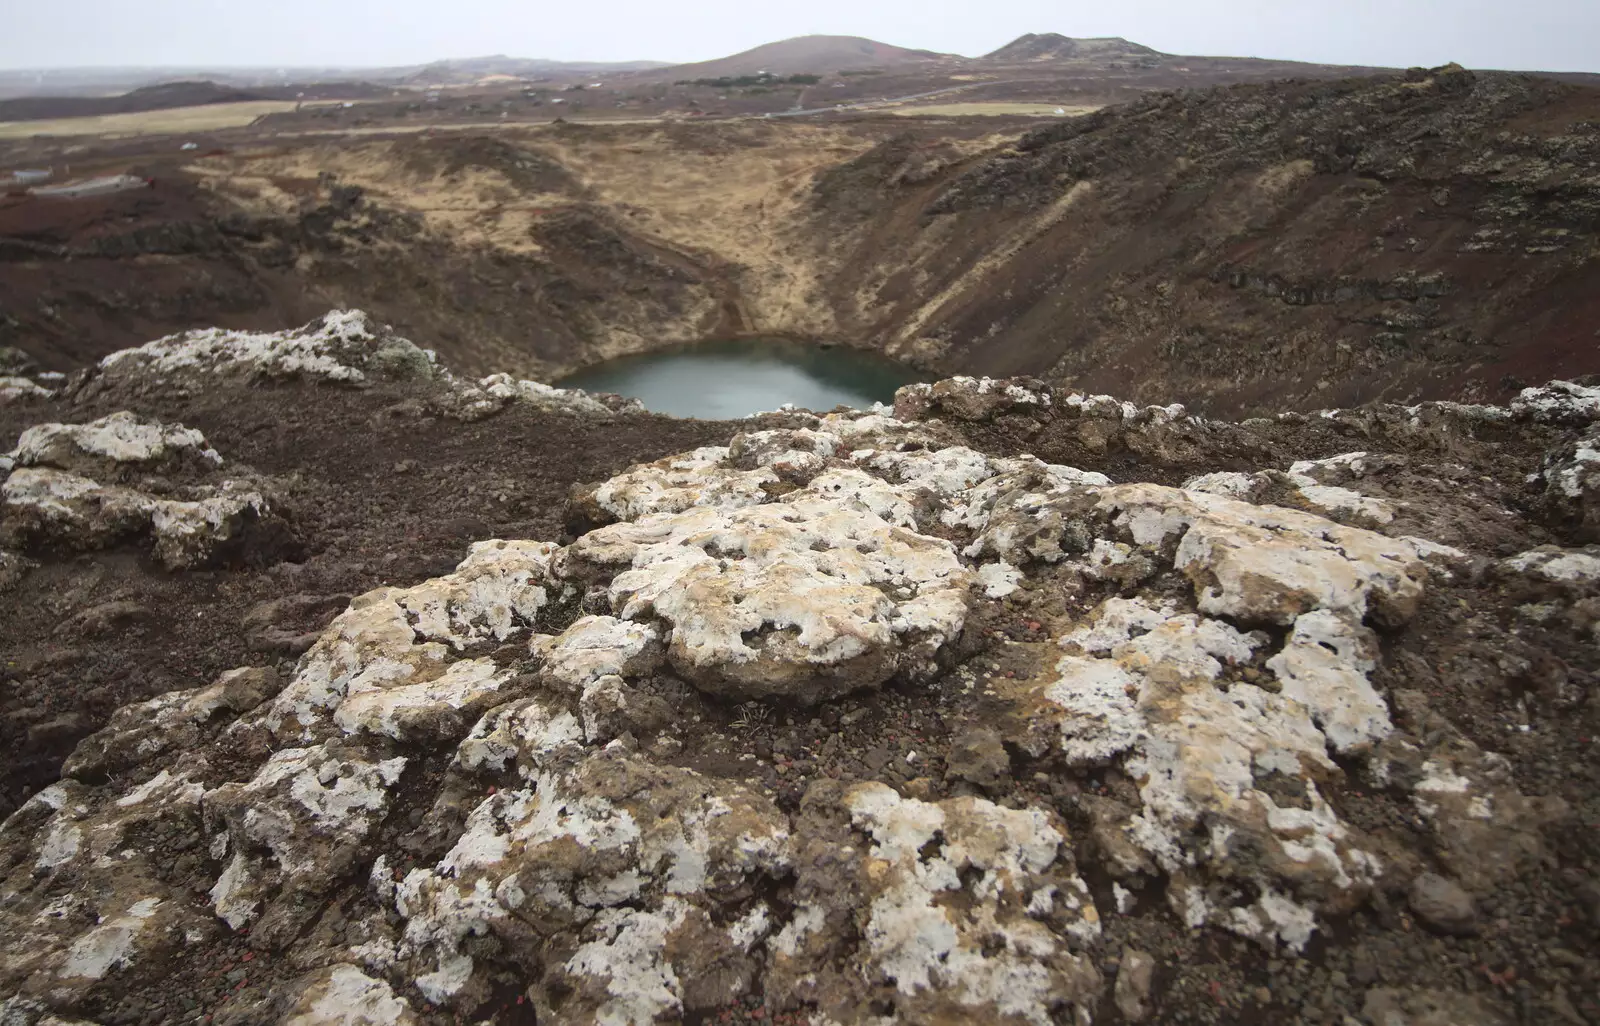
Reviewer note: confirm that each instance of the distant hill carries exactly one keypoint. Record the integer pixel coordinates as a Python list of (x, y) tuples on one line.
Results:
[(1051, 46), (57, 84), (157, 97), (1029, 60), (809, 54), (466, 71)]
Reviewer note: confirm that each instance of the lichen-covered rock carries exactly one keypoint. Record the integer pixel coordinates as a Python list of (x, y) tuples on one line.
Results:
[(1572, 483), (534, 393), (119, 915), (296, 827), (13, 567), (792, 453), (1219, 770), (1574, 570), (173, 722), (1318, 486), (1559, 402), (803, 599), (590, 659), (1438, 424), (343, 995), (1265, 564), (117, 443), (876, 429), (966, 910), (13, 387), (677, 483), (473, 402), (52, 507), (608, 871), (389, 666), (1013, 506), (48, 499), (342, 347), (55, 509), (525, 734), (971, 399), (523, 779)]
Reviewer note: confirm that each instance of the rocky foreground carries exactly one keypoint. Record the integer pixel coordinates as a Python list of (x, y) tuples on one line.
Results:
[(867, 717)]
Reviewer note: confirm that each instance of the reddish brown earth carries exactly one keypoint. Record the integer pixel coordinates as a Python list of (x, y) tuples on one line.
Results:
[(1304, 243)]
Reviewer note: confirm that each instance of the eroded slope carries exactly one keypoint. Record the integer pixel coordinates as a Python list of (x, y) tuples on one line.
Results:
[(1240, 249)]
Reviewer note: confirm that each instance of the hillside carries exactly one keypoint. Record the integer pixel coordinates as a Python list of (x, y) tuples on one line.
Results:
[(165, 96), (807, 55), (1050, 46), (466, 71), (1306, 243)]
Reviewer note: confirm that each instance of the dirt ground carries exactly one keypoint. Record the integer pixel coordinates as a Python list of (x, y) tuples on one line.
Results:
[(387, 495)]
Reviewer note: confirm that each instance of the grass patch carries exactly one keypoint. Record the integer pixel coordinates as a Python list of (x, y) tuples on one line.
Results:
[(150, 122)]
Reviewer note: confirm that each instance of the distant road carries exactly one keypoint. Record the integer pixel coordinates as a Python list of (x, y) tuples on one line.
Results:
[(91, 187), (871, 104)]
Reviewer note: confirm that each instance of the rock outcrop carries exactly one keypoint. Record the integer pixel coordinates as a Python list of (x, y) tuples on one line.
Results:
[(345, 348), (14, 387), (48, 498), (502, 786)]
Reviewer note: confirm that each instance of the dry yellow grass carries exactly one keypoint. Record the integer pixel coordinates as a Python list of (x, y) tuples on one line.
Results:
[(734, 198), (473, 206), (734, 204), (1038, 110), (150, 122), (731, 205)]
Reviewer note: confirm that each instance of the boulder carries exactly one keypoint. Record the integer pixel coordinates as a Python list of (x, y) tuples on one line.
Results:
[(345, 347), (1572, 484), (804, 599), (1443, 905), (50, 501), (118, 445)]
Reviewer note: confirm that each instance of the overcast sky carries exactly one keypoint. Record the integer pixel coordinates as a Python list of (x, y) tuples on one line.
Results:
[(1525, 34)]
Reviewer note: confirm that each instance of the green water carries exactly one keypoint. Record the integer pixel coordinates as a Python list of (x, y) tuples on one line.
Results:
[(726, 380)]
